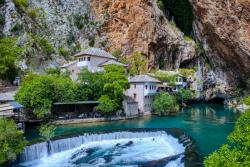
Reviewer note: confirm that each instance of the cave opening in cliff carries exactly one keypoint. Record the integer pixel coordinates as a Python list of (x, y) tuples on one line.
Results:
[(216, 100), (179, 11)]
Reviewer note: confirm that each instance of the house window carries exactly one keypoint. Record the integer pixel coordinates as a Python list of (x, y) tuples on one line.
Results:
[(146, 86), (134, 95), (88, 58), (79, 59), (135, 86), (84, 59)]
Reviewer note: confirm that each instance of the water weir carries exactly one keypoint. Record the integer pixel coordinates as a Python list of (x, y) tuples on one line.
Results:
[(48, 149)]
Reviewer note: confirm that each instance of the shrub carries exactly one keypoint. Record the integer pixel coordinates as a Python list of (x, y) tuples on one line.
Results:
[(165, 104), (64, 52), (47, 131), (47, 47), (21, 3), (160, 4), (2, 20), (187, 71), (237, 152), (17, 27), (12, 141), (32, 13)]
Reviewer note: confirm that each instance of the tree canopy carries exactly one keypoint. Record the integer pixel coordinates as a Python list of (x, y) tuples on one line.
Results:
[(90, 85), (12, 141), (237, 152), (38, 93), (9, 53), (47, 131), (164, 104), (115, 82)]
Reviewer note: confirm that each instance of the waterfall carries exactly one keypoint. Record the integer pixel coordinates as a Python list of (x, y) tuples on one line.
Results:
[(41, 150)]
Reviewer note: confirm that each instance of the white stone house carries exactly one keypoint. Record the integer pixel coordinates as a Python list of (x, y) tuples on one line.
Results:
[(142, 90), (94, 59), (181, 82)]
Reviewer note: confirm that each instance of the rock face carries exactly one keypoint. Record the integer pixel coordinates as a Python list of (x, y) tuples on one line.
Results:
[(223, 27), (139, 25)]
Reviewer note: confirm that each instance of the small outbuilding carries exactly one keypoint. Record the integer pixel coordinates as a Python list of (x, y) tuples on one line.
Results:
[(74, 110)]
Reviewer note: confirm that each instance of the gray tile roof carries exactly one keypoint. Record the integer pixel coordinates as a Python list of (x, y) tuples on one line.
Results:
[(109, 62), (68, 64), (95, 52), (7, 96), (143, 78)]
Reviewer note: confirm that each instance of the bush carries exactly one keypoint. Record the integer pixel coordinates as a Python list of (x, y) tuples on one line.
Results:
[(138, 64), (237, 153), (184, 95), (32, 13), (21, 3), (9, 53), (247, 100), (47, 131), (2, 20), (38, 93), (160, 4), (64, 52), (17, 27), (12, 141), (106, 106), (165, 104), (48, 48)]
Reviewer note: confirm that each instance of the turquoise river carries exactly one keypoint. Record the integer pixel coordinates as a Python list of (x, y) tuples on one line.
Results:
[(208, 124)]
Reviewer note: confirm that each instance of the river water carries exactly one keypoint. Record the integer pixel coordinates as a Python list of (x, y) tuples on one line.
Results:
[(207, 124)]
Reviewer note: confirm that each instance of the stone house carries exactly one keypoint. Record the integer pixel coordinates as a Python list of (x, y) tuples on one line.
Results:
[(142, 90), (94, 59)]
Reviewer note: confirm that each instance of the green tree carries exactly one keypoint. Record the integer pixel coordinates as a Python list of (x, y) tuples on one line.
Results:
[(164, 104), (138, 64), (106, 106), (9, 53), (12, 141), (40, 92), (115, 82), (237, 153), (47, 131), (90, 85), (184, 95), (53, 71)]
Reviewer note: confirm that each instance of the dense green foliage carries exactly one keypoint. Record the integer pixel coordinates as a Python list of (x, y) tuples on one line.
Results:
[(21, 3), (184, 95), (181, 11), (171, 78), (47, 131), (106, 106), (165, 104), (53, 71), (90, 85), (247, 100), (115, 82), (138, 64), (12, 141), (237, 153), (9, 54), (187, 71), (38, 93)]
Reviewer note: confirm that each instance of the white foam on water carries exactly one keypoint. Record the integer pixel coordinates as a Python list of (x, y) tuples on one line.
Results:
[(142, 149)]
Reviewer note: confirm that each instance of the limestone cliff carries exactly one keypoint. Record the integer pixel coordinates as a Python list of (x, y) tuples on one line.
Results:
[(223, 27), (139, 25)]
